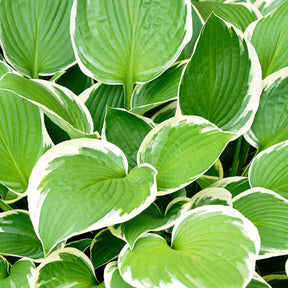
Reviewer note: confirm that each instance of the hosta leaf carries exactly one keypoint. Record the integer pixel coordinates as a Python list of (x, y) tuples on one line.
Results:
[(270, 125), (100, 95), (222, 81), (195, 258), (237, 14), (4, 68), (235, 185), (268, 211), (85, 177), (160, 90), (268, 35), (4, 268), (113, 278), (181, 149), (66, 267), (81, 244), (151, 219), (104, 248), (21, 140), (40, 29), (258, 282), (20, 276), (211, 196), (59, 103), (269, 169), (165, 113), (18, 237), (266, 6), (123, 45), (133, 129)]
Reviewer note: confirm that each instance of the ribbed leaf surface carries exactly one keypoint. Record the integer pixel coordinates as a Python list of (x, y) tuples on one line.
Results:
[(198, 256), (181, 149), (58, 200), (269, 169), (268, 35), (35, 35), (268, 211), (222, 82)]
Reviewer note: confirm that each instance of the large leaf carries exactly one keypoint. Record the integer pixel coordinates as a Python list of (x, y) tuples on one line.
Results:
[(85, 177), (269, 169), (222, 81), (113, 278), (59, 103), (67, 267), (21, 140), (270, 125), (162, 89), (268, 35), (20, 276), (35, 35), (237, 14), (181, 149), (198, 256), (268, 211), (104, 248), (17, 236), (97, 97), (129, 41), (133, 129)]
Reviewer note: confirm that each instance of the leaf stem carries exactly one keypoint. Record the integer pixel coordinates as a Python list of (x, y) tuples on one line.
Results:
[(235, 163), (243, 157), (5, 207), (128, 88)]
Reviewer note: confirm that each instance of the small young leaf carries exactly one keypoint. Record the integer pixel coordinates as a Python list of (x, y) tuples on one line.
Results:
[(104, 248), (67, 267), (269, 169), (17, 236), (182, 149), (222, 81), (41, 42), (268, 35), (195, 258), (106, 194)]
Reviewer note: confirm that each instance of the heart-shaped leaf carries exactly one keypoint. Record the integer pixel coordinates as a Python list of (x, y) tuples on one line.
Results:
[(269, 169), (97, 97), (20, 276), (133, 129), (270, 125), (195, 258), (268, 35), (162, 89), (222, 81), (67, 267), (104, 248), (181, 149), (268, 211), (18, 237), (85, 177), (59, 103), (21, 140), (113, 278), (41, 42), (142, 49), (237, 14)]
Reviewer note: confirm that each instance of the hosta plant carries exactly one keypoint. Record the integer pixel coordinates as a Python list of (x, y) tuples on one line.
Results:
[(143, 143)]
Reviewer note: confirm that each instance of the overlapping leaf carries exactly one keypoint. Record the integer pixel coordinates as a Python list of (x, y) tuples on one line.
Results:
[(123, 44), (268, 211), (270, 125), (17, 236), (195, 258), (35, 35), (222, 81), (268, 35), (269, 169), (58, 200), (59, 103), (181, 149), (66, 267), (258, 282)]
